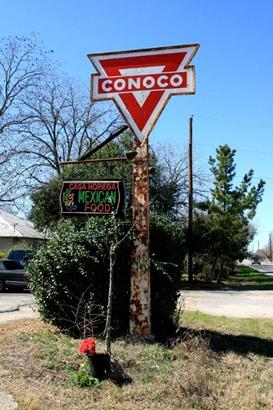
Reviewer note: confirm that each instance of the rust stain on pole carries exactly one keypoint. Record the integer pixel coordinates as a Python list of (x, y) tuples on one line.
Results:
[(140, 303)]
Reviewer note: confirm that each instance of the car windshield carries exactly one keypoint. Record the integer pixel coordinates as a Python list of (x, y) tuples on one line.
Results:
[(17, 255), (12, 265)]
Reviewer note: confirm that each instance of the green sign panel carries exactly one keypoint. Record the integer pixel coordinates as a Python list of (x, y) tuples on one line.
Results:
[(92, 197)]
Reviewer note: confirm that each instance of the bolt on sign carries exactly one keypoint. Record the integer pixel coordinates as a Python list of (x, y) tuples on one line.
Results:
[(141, 81), (92, 197)]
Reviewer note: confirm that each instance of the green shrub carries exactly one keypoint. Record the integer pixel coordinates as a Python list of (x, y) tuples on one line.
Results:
[(168, 250), (69, 275)]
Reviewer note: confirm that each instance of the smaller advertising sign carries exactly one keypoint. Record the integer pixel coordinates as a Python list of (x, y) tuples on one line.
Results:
[(92, 197)]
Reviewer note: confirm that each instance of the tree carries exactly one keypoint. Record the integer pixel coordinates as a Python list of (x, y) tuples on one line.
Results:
[(224, 229), (242, 200), (62, 124), (23, 63), (169, 182), (45, 118)]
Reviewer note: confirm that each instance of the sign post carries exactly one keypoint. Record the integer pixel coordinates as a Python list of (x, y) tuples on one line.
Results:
[(140, 82), (140, 301)]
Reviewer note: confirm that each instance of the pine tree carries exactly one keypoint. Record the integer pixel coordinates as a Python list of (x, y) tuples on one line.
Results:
[(225, 228), (242, 200)]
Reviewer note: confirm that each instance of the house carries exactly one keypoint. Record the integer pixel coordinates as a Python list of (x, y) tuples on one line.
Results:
[(14, 230)]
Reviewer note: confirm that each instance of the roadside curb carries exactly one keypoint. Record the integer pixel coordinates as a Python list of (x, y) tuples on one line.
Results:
[(15, 309)]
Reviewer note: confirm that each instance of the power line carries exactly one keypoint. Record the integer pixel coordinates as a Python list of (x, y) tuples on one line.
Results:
[(264, 178), (240, 149), (228, 121), (234, 122)]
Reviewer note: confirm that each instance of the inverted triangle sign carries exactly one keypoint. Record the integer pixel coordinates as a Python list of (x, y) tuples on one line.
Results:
[(140, 82)]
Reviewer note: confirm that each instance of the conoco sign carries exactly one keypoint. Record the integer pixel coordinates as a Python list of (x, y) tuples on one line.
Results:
[(140, 82), (92, 197)]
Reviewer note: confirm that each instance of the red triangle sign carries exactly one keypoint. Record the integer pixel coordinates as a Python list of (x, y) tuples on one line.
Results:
[(141, 82)]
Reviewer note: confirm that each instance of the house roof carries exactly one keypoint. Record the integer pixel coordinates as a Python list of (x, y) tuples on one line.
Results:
[(13, 227)]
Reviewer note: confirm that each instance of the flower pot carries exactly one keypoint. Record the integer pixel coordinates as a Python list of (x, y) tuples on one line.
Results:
[(99, 365)]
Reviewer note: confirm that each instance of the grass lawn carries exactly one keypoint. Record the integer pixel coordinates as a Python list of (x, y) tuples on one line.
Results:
[(247, 276), (218, 363), (244, 277)]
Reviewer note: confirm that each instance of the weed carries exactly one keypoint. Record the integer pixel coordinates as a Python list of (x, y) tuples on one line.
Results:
[(82, 380), (71, 367), (23, 337)]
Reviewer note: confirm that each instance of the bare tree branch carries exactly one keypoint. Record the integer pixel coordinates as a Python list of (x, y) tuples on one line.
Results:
[(45, 118)]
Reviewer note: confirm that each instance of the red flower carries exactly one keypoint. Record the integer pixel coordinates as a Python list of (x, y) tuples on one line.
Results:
[(88, 346)]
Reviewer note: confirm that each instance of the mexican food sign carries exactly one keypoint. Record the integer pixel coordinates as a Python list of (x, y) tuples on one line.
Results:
[(92, 197)]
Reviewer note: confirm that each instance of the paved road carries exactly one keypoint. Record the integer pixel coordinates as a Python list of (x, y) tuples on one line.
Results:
[(244, 304), (254, 303), (268, 269), (233, 303), (16, 306)]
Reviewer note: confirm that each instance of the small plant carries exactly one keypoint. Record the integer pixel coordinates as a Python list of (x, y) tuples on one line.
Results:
[(82, 380)]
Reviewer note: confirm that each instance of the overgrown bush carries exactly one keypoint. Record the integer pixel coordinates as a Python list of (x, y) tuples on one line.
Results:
[(167, 250), (69, 275)]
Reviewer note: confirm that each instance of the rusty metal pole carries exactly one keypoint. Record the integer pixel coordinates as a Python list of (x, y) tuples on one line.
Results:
[(140, 302)]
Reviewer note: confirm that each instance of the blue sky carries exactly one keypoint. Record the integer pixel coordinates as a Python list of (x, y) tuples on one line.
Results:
[(234, 67)]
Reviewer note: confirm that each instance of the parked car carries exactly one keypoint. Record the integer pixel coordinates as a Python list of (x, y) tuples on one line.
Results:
[(256, 261), (12, 274), (20, 255)]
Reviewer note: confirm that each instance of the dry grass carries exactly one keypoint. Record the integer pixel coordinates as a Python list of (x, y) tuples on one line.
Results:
[(36, 360)]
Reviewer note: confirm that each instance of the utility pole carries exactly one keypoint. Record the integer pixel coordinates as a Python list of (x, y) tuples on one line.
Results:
[(270, 247), (190, 207)]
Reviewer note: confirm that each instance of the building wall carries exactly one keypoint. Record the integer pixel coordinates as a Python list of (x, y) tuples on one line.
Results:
[(8, 243), (5, 243)]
